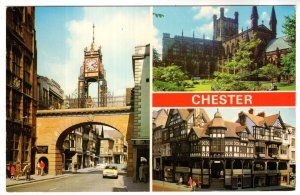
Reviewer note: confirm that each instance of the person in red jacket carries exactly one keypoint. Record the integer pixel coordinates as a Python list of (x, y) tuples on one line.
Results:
[(12, 172), (42, 165)]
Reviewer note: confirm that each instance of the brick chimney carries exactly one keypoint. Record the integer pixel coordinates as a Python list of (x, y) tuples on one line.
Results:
[(262, 114)]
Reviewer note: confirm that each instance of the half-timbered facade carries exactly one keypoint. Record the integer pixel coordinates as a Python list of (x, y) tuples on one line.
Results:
[(251, 152)]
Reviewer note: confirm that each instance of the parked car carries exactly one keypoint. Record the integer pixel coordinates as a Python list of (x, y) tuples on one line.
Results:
[(110, 171)]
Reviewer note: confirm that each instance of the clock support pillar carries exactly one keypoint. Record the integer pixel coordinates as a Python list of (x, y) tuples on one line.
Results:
[(102, 93)]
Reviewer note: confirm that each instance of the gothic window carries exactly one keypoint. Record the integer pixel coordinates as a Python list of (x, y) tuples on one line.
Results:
[(16, 63), (27, 65), (25, 148), (17, 20), (14, 142), (16, 106), (26, 109)]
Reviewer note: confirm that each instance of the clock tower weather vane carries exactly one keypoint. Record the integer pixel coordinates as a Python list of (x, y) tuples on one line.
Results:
[(92, 70)]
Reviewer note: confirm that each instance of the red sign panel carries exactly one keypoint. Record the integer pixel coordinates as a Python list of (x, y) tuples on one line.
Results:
[(224, 99)]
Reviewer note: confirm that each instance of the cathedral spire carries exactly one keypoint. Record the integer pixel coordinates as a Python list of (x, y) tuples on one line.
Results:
[(254, 17), (273, 21)]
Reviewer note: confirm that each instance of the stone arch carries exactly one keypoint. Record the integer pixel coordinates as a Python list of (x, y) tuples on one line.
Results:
[(51, 129)]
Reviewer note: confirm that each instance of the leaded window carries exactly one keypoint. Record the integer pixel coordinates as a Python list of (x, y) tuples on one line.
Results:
[(217, 145)]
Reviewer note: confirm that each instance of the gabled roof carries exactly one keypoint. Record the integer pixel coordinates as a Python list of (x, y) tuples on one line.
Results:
[(185, 114), (270, 120), (200, 131), (279, 43), (231, 129), (257, 120), (201, 112), (240, 129), (161, 118)]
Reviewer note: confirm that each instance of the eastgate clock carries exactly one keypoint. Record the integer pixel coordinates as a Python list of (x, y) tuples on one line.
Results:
[(91, 64)]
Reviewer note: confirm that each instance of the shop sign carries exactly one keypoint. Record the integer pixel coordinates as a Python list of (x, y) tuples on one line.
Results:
[(42, 149)]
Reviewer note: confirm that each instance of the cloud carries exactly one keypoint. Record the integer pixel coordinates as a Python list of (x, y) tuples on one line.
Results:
[(206, 29), (117, 30), (157, 40), (207, 12), (265, 17)]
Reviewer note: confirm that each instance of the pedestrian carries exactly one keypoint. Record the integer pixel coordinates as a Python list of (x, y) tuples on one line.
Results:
[(12, 172), (180, 181), (199, 182), (42, 165), (18, 171), (190, 182), (141, 169), (145, 172), (26, 171), (194, 186), (38, 168)]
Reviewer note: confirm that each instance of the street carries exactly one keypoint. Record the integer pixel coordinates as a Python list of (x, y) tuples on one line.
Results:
[(81, 182)]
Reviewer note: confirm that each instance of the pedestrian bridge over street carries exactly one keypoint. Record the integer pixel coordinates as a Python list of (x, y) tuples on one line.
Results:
[(53, 126)]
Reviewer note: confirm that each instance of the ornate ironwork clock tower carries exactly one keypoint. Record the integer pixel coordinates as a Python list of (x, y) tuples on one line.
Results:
[(92, 70)]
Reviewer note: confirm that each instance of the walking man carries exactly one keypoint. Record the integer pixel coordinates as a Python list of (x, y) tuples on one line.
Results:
[(27, 170)]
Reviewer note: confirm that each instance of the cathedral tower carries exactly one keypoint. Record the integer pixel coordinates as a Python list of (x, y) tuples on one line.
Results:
[(224, 27), (254, 17)]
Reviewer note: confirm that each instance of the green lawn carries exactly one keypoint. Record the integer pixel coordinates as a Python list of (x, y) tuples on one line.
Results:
[(205, 85), (281, 86)]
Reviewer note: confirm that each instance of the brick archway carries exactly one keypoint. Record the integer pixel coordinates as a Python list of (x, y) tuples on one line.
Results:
[(51, 124)]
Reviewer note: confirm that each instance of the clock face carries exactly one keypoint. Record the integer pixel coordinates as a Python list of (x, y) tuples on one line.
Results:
[(91, 64)]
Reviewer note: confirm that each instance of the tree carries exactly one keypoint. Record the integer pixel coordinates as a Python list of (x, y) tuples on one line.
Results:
[(269, 71), (156, 59), (168, 78), (236, 71), (289, 61)]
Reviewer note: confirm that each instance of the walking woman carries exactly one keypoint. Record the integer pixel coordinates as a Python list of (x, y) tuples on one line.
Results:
[(18, 170)]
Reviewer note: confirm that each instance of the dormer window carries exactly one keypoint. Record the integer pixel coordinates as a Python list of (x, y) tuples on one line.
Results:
[(244, 136), (217, 133)]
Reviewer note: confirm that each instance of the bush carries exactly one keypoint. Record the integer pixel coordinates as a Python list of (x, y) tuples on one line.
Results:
[(166, 86), (187, 84)]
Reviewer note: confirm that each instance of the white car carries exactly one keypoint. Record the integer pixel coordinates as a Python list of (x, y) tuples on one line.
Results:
[(110, 171)]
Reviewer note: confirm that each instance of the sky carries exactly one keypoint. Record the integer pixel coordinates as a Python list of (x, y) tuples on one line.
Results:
[(64, 32), (288, 115), (199, 19)]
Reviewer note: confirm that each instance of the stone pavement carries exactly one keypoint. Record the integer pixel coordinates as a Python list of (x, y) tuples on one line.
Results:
[(35, 178), (124, 185), (167, 186)]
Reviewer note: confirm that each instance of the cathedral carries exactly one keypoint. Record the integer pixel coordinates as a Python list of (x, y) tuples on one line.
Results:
[(201, 57)]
